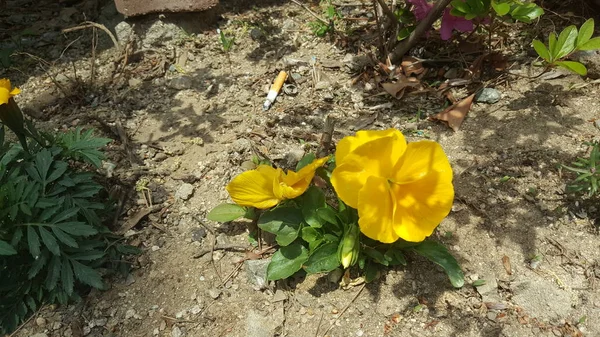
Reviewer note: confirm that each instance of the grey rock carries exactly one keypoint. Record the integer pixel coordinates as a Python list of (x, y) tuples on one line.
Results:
[(591, 60), (256, 34), (196, 309), (335, 275), (160, 32), (198, 234), (293, 157), (176, 332), (124, 32), (488, 95), (411, 126), (214, 293), (321, 85), (489, 290), (241, 145), (40, 334), (185, 191), (180, 83), (542, 299), (597, 123), (129, 313), (256, 271), (258, 325), (161, 156)]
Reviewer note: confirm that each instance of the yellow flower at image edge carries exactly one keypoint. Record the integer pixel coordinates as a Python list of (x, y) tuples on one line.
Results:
[(400, 191), (6, 91), (266, 186)]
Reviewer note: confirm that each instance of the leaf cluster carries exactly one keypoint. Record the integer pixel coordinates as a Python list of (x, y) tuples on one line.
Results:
[(311, 232), (569, 41), (587, 170), (480, 9), (52, 241)]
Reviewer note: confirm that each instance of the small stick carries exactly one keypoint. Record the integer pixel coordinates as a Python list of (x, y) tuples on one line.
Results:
[(233, 247), (27, 321), (93, 60), (326, 138), (345, 308), (311, 12), (319, 325), (89, 24), (388, 12), (403, 47)]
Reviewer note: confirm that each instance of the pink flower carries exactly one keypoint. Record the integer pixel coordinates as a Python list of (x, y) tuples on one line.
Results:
[(449, 22)]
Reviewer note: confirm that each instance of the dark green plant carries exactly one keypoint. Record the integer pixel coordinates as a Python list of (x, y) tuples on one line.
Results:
[(568, 42), (320, 28), (52, 238), (588, 175)]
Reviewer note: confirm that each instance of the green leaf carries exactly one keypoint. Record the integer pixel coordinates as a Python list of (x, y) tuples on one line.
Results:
[(323, 259), (552, 44), (65, 215), (592, 44), (87, 275), (53, 272), (33, 240), (285, 222), (89, 255), (440, 255), (328, 214), (542, 51), (226, 212), (307, 159), (287, 261), (64, 237), (309, 234), (6, 249), (526, 12), (375, 255), (585, 33), (501, 8), (566, 42), (395, 257), (49, 241), (36, 266), (77, 228), (573, 66), (66, 277), (372, 271), (312, 200), (60, 167)]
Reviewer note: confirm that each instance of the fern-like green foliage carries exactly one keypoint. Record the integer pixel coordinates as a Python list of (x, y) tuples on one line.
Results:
[(52, 238)]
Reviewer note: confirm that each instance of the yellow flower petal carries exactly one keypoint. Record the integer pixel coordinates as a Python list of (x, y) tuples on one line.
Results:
[(350, 143), (254, 188), (419, 160), (5, 91), (296, 183), (347, 180), (376, 210)]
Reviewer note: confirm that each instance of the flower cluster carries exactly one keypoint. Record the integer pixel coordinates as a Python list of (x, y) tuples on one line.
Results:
[(449, 22), (400, 190), (6, 91)]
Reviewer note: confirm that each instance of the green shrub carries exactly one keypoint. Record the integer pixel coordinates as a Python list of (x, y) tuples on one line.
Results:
[(52, 239)]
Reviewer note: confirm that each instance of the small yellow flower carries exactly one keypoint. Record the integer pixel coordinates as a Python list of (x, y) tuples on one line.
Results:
[(6, 92), (400, 191), (266, 186)]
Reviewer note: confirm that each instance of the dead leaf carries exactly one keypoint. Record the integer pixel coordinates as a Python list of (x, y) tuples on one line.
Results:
[(455, 114), (411, 65), (506, 264), (397, 89)]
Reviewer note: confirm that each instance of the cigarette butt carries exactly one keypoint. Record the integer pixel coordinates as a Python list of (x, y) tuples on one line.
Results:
[(274, 91)]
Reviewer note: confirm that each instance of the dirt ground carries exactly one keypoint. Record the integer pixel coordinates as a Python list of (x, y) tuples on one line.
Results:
[(193, 119)]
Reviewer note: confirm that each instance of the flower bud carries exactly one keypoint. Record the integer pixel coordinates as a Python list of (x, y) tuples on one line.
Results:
[(348, 249)]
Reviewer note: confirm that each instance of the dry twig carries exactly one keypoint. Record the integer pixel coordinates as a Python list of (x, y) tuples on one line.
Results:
[(345, 308), (310, 12), (90, 24)]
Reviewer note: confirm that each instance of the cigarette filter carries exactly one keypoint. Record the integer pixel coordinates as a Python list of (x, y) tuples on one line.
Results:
[(274, 91)]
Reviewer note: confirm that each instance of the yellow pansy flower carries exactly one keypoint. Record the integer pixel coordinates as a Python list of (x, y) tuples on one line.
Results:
[(400, 191), (265, 186), (6, 92)]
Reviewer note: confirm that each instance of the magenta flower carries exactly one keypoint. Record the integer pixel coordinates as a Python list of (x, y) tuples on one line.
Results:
[(449, 22)]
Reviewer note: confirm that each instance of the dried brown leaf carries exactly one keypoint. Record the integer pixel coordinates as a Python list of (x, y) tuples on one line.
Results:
[(455, 114), (397, 89), (506, 264), (411, 65)]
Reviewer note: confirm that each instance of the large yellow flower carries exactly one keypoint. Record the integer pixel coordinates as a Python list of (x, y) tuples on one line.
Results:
[(400, 191), (266, 186), (6, 92)]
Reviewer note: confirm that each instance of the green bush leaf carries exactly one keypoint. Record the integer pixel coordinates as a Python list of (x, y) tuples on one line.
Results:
[(395, 257), (585, 33), (375, 255), (64, 237), (284, 222), (33, 240), (552, 44), (501, 8), (77, 228), (53, 272), (323, 259), (592, 44), (49, 241), (565, 43), (312, 200), (226, 212), (309, 234), (37, 266), (542, 51), (573, 66), (440, 255), (87, 275), (307, 159), (6, 249), (287, 261), (66, 277)]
